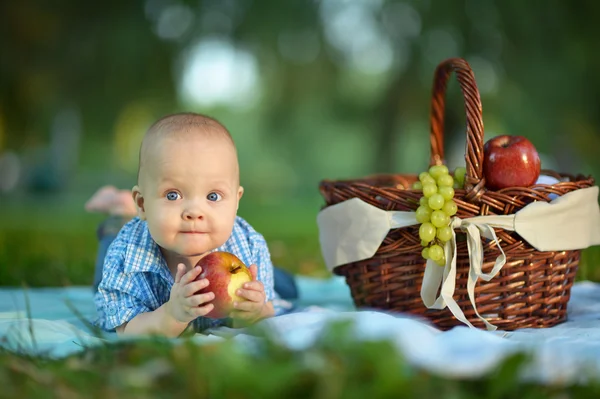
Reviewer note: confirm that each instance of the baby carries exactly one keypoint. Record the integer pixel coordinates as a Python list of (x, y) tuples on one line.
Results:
[(187, 198)]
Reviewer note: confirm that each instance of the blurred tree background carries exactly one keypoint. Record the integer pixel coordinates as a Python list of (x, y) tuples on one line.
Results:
[(309, 89)]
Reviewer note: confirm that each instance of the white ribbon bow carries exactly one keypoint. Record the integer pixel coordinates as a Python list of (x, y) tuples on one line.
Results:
[(353, 230)]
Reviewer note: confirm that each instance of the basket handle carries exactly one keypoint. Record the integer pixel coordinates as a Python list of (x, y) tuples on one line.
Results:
[(474, 181)]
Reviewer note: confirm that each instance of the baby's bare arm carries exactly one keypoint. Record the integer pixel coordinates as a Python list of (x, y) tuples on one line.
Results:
[(267, 311), (155, 322)]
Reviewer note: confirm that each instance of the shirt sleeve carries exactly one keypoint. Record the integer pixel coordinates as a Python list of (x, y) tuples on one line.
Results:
[(262, 258), (119, 298)]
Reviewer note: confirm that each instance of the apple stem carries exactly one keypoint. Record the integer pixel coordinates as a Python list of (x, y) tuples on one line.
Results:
[(235, 269)]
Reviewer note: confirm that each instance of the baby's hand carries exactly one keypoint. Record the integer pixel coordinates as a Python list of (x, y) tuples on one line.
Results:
[(254, 307), (184, 306)]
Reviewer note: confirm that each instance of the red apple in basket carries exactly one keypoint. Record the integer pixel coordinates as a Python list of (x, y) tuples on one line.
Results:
[(225, 273), (510, 161)]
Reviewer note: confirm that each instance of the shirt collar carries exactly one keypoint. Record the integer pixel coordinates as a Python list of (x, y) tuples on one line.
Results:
[(142, 253)]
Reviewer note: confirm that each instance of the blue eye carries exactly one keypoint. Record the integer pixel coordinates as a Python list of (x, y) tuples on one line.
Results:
[(213, 197), (173, 195)]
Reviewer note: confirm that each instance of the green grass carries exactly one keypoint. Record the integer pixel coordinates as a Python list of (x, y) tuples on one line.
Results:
[(337, 366)]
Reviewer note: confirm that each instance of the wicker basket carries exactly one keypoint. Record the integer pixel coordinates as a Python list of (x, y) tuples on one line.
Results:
[(531, 290)]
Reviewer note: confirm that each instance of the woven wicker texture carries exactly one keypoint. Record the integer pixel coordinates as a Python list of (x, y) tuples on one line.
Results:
[(531, 290)]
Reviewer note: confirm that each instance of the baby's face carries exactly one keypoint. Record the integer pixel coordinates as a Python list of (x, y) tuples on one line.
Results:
[(190, 191)]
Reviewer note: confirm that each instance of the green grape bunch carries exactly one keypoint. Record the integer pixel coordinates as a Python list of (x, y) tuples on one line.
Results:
[(436, 207)]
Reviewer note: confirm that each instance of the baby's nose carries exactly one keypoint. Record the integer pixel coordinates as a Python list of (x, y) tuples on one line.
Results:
[(193, 214)]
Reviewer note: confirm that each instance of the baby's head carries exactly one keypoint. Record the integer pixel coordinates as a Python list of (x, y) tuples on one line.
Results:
[(188, 187)]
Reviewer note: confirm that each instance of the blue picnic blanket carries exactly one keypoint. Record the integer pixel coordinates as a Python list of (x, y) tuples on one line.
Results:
[(55, 322)]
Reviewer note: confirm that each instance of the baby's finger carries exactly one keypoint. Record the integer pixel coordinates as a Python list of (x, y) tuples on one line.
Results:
[(191, 275), (253, 271), (195, 286), (180, 272), (199, 311), (200, 299), (251, 295), (254, 285)]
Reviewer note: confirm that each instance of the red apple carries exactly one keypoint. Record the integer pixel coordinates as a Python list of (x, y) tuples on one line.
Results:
[(510, 161), (225, 273)]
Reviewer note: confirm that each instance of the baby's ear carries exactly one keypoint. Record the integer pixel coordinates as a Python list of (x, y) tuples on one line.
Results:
[(239, 195), (139, 202)]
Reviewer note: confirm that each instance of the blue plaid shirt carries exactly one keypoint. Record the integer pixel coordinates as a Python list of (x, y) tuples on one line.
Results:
[(136, 279)]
